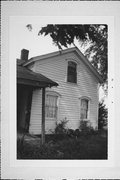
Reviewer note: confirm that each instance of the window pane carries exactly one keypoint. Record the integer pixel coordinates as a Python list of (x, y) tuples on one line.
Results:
[(72, 64), (84, 108), (72, 78), (51, 106), (72, 75)]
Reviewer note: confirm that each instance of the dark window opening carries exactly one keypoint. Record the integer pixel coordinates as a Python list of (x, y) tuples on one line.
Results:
[(72, 72)]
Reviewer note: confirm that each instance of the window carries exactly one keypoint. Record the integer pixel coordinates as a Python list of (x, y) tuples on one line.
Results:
[(84, 109), (51, 106), (71, 73)]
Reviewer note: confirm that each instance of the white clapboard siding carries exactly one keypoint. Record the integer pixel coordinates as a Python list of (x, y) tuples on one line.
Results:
[(55, 68)]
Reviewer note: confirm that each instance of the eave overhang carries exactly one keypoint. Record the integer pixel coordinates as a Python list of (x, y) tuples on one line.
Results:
[(74, 49), (30, 78)]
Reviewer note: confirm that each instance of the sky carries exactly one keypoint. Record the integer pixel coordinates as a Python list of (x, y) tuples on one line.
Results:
[(25, 39), (22, 38)]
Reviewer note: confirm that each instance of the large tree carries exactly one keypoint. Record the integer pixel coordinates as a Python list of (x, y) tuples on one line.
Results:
[(93, 36)]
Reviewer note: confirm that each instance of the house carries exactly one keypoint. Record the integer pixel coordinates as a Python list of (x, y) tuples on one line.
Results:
[(76, 97)]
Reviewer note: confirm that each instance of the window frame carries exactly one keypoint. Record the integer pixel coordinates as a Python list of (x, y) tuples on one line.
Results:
[(55, 94), (75, 63), (88, 111)]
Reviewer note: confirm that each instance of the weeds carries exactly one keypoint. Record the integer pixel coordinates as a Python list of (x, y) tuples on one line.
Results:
[(82, 143), (92, 147)]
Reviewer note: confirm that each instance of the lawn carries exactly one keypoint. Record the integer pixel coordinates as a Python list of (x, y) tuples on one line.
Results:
[(82, 147)]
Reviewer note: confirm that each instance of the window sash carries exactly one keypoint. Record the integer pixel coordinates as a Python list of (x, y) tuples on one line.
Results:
[(51, 106), (84, 109), (72, 74)]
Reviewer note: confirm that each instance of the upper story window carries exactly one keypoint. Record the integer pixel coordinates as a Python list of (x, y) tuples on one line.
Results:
[(72, 72)]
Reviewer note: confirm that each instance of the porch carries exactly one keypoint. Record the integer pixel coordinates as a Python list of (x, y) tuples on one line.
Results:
[(27, 82)]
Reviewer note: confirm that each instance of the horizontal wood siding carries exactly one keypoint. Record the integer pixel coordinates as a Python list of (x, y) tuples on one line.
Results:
[(36, 113), (69, 103)]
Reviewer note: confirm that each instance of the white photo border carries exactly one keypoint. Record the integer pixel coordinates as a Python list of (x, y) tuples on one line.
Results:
[(10, 165)]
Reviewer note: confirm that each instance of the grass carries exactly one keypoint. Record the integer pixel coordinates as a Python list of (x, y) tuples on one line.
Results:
[(83, 147)]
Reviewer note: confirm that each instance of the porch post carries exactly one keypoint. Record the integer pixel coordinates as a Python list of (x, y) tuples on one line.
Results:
[(43, 116)]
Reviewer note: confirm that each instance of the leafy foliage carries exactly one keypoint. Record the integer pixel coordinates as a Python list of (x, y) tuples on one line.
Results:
[(98, 51), (61, 127), (63, 35), (103, 115), (84, 127)]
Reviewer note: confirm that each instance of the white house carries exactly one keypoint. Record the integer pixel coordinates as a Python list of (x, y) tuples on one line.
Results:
[(76, 97)]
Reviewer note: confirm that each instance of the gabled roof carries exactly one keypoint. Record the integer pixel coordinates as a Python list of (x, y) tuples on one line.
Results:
[(27, 77), (58, 53)]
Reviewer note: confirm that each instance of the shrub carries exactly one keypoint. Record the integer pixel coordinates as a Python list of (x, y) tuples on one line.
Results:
[(77, 133), (86, 128), (60, 130), (73, 133), (70, 132), (61, 127)]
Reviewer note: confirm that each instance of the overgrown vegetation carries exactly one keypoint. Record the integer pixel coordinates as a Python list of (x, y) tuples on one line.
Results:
[(61, 127), (92, 147), (86, 128), (84, 143)]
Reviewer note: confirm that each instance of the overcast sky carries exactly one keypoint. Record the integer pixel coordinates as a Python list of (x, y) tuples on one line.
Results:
[(21, 37)]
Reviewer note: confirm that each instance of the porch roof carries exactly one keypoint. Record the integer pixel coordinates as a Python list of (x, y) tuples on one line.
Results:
[(26, 76)]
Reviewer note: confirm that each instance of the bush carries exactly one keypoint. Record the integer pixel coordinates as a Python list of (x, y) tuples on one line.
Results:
[(60, 130), (73, 133), (86, 128), (61, 127), (70, 132)]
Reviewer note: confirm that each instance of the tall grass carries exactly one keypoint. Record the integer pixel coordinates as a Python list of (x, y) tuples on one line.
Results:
[(90, 147)]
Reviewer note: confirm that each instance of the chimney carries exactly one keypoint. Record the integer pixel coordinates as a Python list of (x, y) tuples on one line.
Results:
[(24, 54)]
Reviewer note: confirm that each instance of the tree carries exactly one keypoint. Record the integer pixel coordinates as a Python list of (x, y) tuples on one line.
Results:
[(98, 52), (103, 115), (94, 35)]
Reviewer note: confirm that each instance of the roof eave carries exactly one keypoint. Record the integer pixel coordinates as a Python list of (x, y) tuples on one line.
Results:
[(56, 53), (90, 66), (74, 49), (35, 83)]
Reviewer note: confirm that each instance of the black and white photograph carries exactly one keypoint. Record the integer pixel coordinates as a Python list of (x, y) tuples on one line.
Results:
[(62, 95), (59, 90)]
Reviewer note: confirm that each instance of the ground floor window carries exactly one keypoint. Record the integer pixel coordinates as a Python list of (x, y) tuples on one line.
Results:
[(84, 109), (51, 106)]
